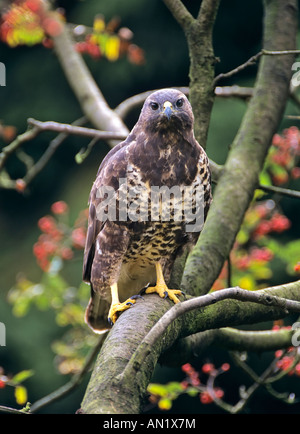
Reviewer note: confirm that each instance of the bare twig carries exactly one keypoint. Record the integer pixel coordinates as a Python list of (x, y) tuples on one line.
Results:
[(252, 61), (14, 145), (280, 190), (75, 130), (249, 62), (10, 410), (234, 92), (35, 169)]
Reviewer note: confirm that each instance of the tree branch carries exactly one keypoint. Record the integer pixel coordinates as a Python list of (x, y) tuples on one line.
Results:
[(76, 130), (262, 297), (179, 12), (228, 338), (119, 380), (84, 86), (198, 32), (252, 61), (280, 190), (238, 180)]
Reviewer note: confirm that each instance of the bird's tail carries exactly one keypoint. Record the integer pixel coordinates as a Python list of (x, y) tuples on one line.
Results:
[(96, 313)]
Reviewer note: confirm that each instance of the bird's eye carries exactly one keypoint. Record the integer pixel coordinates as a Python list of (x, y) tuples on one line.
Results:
[(154, 105), (179, 102)]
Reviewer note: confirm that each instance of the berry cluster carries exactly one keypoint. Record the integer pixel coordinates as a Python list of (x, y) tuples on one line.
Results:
[(283, 156), (16, 381), (58, 238), (251, 255), (106, 41), (287, 360), (29, 22), (164, 395)]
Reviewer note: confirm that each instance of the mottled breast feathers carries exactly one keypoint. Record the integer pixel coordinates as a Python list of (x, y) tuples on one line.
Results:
[(139, 183)]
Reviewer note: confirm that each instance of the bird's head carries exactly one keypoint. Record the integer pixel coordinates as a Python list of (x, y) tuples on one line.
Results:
[(167, 110)]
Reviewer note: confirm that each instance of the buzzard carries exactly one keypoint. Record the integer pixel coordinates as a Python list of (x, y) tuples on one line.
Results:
[(148, 203)]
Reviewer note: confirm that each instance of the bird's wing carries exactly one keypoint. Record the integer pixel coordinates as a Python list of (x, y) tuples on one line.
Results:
[(112, 168)]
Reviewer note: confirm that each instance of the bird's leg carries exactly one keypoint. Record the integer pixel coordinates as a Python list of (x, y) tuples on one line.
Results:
[(161, 287), (116, 307)]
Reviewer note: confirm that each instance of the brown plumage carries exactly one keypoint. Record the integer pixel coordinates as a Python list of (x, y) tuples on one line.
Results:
[(134, 236)]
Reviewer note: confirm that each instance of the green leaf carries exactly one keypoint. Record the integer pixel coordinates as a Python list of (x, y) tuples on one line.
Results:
[(165, 404), (192, 391), (265, 179), (157, 389), (21, 395), (22, 376)]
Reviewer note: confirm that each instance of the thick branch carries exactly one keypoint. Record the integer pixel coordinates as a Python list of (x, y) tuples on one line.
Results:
[(179, 12), (198, 33), (262, 297), (238, 179), (229, 338), (119, 381)]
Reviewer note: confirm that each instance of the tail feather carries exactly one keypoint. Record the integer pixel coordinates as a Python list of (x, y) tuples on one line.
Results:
[(96, 313)]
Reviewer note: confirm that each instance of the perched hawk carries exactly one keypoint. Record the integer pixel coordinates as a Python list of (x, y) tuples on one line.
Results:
[(144, 208)]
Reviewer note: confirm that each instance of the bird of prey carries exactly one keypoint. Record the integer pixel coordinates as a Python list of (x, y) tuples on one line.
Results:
[(144, 208)]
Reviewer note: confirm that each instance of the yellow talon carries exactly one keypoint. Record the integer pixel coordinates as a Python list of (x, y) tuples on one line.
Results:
[(116, 307), (161, 288)]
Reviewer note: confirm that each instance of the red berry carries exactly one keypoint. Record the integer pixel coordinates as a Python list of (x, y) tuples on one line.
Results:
[(225, 367), (295, 172), (33, 5), (219, 393), (20, 185), (208, 368), (67, 253), (262, 229), (278, 353), (47, 224), (205, 398), (187, 368), (279, 223), (78, 238), (297, 267), (52, 26), (59, 207)]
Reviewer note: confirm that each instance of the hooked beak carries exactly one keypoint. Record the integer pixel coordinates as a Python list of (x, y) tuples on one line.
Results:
[(168, 109)]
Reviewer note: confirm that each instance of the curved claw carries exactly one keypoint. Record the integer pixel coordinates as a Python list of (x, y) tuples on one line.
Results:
[(134, 297), (143, 290), (117, 308)]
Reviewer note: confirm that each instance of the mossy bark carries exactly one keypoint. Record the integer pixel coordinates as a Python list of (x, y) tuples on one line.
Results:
[(118, 384), (124, 367), (239, 177)]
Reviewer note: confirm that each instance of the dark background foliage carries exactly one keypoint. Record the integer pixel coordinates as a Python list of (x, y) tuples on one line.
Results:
[(36, 87)]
